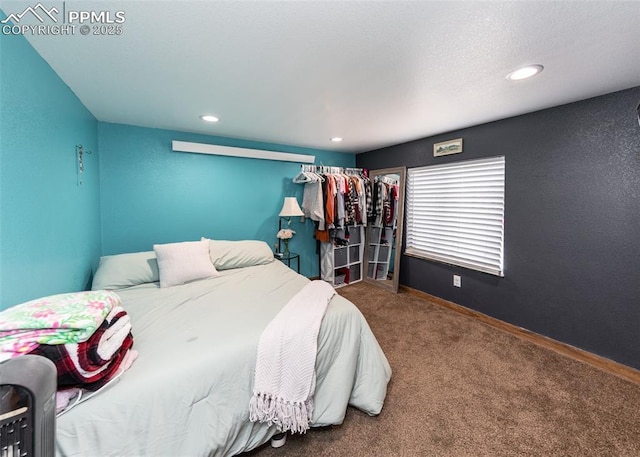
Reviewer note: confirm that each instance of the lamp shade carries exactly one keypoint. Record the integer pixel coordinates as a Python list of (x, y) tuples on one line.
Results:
[(290, 208)]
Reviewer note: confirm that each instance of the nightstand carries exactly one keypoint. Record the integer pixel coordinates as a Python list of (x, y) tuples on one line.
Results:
[(287, 258)]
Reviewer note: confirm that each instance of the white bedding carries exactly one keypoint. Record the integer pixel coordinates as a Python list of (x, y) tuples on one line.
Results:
[(188, 392)]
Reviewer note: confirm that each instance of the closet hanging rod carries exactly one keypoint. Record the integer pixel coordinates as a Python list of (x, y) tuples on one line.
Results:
[(329, 169), (201, 148)]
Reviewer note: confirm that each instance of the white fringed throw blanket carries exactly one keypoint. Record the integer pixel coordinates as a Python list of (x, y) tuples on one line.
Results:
[(285, 375)]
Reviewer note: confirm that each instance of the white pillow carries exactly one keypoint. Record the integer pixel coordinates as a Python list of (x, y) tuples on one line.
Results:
[(179, 263)]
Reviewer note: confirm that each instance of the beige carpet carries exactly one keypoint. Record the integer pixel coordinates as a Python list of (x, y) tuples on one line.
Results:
[(461, 388)]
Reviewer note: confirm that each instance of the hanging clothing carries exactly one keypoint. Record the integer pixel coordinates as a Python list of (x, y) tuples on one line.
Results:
[(312, 202), (369, 199), (335, 198), (385, 203)]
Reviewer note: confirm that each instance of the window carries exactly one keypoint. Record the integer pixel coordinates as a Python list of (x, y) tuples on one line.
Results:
[(455, 213)]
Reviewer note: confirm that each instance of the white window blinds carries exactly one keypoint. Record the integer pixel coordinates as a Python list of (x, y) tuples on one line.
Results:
[(455, 213)]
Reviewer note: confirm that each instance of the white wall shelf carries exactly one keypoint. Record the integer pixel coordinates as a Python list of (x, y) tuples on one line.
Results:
[(201, 148)]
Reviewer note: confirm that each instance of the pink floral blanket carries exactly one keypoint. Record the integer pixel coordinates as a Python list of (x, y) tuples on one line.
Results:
[(57, 319)]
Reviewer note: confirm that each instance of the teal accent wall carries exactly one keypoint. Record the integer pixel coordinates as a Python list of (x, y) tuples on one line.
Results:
[(49, 225), (151, 194)]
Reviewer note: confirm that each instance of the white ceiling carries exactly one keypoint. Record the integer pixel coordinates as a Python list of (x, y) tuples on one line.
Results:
[(376, 73)]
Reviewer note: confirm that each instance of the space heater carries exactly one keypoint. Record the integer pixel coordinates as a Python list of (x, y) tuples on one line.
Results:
[(27, 407)]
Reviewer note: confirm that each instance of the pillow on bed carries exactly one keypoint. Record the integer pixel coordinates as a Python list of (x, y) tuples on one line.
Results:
[(226, 255), (179, 263), (126, 270)]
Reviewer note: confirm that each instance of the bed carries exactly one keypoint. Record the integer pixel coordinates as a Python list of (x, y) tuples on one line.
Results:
[(188, 392)]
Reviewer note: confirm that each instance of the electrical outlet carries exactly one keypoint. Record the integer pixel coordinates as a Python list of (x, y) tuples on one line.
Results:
[(457, 281)]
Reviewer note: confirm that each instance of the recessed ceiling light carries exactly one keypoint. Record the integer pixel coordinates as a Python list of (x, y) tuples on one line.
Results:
[(209, 118), (336, 139), (525, 72)]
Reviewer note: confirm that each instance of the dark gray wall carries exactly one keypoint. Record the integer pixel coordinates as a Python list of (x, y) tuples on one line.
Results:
[(572, 223)]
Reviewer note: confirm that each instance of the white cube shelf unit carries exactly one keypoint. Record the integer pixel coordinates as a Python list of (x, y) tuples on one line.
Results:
[(380, 247), (341, 259)]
